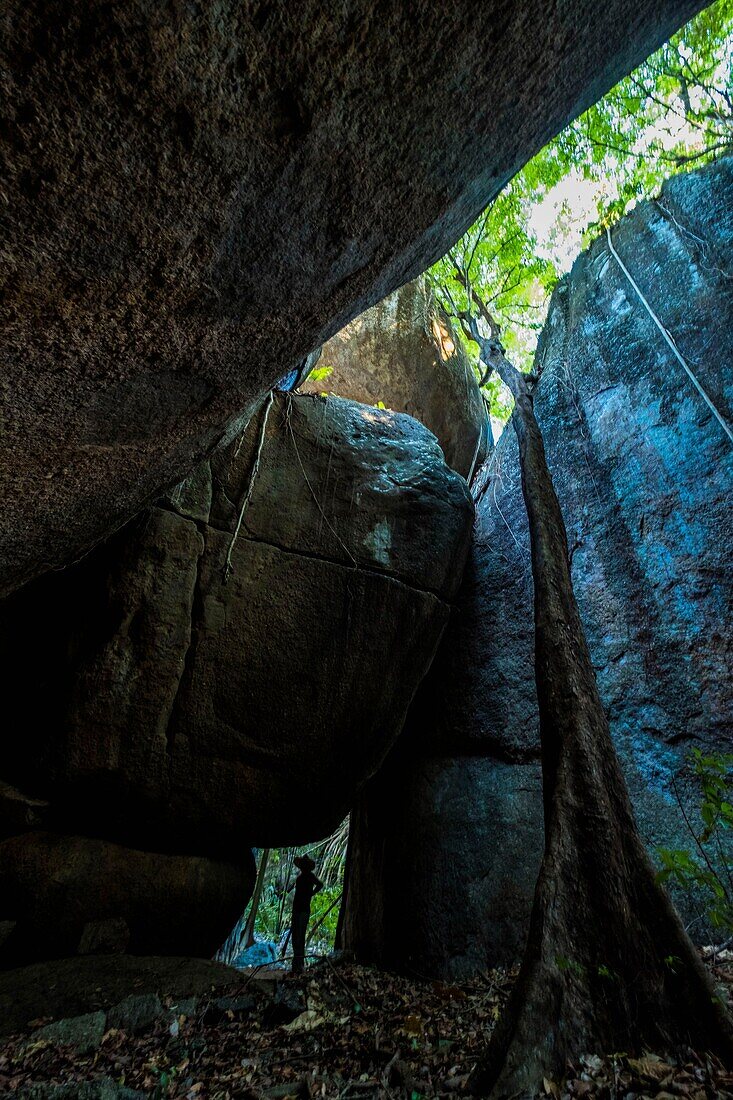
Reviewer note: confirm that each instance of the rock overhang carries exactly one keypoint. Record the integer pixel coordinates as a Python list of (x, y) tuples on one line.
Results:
[(199, 197)]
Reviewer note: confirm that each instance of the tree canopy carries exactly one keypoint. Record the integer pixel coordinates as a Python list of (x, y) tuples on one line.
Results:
[(674, 111)]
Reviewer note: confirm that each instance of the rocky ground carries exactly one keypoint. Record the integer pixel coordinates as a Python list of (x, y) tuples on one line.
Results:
[(340, 1031)]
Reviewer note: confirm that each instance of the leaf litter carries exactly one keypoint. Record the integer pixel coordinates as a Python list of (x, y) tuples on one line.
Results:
[(349, 1033)]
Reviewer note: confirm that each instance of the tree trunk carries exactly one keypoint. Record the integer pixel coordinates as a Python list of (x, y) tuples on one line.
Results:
[(283, 896), (249, 928), (608, 966), (340, 924)]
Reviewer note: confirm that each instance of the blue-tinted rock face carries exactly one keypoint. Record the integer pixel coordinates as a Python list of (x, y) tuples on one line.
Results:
[(644, 473)]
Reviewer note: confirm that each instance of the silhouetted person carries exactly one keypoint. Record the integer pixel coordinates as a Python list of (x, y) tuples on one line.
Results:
[(306, 885)]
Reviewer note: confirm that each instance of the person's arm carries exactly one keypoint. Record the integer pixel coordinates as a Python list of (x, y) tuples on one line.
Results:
[(319, 884)]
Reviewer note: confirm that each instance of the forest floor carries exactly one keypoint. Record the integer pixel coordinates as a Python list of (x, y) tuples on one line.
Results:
[(340, 1031)]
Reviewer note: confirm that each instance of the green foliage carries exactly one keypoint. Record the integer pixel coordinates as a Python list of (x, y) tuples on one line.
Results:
[(273, 917), (319, 374), (324, 918), (162, 1085), (569, 965), (707, 869), (714, 773), (500, 258), (674, 111), (273, 913)]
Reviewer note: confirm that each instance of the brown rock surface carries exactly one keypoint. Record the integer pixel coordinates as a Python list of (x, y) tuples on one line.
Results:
[(19, 812), (69, 987), (52, 886), (198, 195), (402, 353)]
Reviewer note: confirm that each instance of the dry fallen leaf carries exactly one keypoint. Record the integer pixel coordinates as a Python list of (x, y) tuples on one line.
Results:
[(650, 1066), (408, 1038), (307, 1021)]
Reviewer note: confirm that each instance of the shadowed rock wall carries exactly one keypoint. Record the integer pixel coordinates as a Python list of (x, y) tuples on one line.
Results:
[(72, 893), (645, 478), (197, 195), (228, 670)]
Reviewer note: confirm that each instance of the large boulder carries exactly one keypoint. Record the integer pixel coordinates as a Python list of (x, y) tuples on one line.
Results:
[(81, 985), (403, 354), (55, 888), (197, 195), (19, 812), (644, 474), (443, 855), (234, 665)]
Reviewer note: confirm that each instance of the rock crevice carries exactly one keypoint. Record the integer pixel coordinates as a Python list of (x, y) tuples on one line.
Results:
[(644, 476), (199, 196)]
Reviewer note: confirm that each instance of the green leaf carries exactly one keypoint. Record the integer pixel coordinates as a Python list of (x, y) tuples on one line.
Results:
[(621, 146), (318, 374)]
